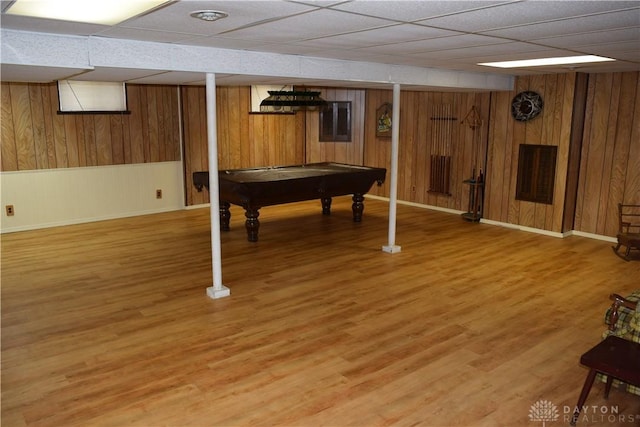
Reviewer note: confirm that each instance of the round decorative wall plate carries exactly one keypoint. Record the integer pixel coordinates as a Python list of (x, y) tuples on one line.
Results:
[(526, 105)]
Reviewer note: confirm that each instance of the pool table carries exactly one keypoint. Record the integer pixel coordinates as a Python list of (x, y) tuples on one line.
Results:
[(254, 188)]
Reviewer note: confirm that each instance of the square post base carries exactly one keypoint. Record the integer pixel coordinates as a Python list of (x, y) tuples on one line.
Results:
[(392, 249), (218, 293)]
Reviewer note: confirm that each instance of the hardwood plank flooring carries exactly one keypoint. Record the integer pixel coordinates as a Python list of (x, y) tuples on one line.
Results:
[(108, 323)]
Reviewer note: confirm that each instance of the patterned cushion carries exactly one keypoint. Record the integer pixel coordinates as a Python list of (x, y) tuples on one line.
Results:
[(627, 327)]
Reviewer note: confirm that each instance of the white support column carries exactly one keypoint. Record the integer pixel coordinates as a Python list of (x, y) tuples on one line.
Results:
[(218, 290), (393, 183)]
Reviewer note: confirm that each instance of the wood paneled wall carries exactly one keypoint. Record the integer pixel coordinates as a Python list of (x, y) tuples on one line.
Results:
[(34, 136), (244, 139), (415, 140), (605, 171), (343, 152), (551, 127), (610, 160)]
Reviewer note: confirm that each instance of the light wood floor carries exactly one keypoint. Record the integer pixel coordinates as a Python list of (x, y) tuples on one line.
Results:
[(108, 324)]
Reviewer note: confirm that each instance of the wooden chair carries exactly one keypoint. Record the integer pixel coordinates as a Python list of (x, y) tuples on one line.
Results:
[(628, 229), (616, 357)]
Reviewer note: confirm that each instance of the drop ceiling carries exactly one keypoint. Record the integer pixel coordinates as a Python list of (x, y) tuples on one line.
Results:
[(447, 35)]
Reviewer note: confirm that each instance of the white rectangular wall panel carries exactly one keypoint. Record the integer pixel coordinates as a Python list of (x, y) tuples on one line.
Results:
[(53, 197)]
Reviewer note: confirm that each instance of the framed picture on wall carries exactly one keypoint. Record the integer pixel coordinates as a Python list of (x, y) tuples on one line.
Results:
[(384, 120)]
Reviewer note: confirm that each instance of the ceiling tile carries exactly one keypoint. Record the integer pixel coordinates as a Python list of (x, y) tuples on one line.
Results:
[(599, 22), (631, 35), (308, 26), (176, 17), (521, 13), (380, 36), (413, 10), (29, 73), (432, 45)]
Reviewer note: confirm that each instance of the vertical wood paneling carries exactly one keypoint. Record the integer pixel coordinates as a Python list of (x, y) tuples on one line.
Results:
[(589, 181), (242, 95), (48, 126), (343, 152), (611, 152), (117, 139), (422, 148), (78, 122), (510, 157), (223, 122), (35, 136), (607, 158), (544, 214), (59, 133), (163, 124), (244, 105), (551, 127), (596, 148), (202, 112), (620, 144), (632, 179), (192, 137), (417, 131), (66, 143), (9, 152), (494, 192), (23, 128), (145, 116), (102, 127), (271, 150), (405, 149), (152, 123), (90, 140), (37, 123), (136, 123), (517, 137)]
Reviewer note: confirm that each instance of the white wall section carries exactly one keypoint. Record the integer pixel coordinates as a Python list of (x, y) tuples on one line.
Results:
[(53, 197)]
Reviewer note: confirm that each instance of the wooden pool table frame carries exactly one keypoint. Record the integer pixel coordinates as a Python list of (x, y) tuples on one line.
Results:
[(253, 188)]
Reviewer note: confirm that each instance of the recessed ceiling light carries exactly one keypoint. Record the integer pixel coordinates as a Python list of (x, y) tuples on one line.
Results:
[(560, 60), (107, 12), (209, 15)]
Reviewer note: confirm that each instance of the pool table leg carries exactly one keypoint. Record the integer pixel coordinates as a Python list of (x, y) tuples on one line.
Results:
[(252, 223), (358, 207), (326, 205), (225, 216)]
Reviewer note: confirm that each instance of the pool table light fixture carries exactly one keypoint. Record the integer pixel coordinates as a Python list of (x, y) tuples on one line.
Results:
[(282, 101)]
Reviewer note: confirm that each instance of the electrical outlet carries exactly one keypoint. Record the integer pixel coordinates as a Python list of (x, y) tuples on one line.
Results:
[(10, 211), (158, 194)]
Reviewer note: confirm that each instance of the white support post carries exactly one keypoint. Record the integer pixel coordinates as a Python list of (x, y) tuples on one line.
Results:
[(217, 290), (393, 183)]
